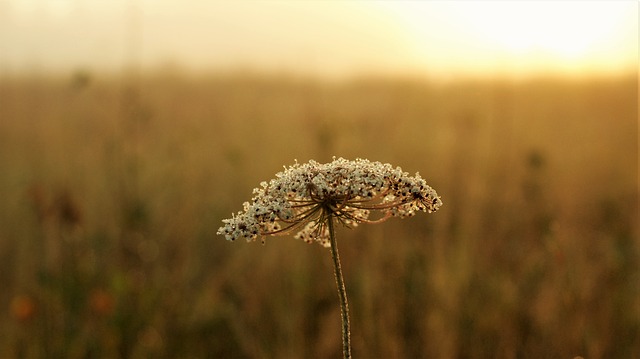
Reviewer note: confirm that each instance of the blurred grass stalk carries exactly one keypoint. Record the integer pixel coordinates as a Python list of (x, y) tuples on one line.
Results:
[(535, 254)]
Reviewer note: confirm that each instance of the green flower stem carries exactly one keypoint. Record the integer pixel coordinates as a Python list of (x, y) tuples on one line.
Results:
[(342, 292)]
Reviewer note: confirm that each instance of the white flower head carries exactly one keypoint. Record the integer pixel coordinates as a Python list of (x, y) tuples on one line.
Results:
[(302, 197)]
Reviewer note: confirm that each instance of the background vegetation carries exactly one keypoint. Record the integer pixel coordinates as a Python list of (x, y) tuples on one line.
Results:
[(112, 190)]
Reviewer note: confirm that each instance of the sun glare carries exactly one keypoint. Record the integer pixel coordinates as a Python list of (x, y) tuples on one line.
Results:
[(566, 36), (432, 38)]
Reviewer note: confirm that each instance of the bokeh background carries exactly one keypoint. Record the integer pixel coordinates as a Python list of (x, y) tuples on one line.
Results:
[(130, 129)]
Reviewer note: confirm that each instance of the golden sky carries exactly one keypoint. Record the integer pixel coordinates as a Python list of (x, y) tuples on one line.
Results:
[(430, 38)]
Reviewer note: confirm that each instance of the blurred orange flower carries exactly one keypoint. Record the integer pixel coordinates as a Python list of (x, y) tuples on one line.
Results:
[(23, 307)]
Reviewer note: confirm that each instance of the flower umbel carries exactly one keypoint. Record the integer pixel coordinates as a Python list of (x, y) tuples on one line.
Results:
[(304, 196), (308, 198)]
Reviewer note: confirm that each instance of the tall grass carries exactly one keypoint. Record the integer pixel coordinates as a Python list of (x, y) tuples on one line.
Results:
[(111, 199)]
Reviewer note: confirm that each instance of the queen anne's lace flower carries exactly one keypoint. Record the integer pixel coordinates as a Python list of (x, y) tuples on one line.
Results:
[(302, 197)]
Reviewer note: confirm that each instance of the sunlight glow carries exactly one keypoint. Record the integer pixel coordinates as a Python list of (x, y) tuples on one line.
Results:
[(433, 38), (572, 36)]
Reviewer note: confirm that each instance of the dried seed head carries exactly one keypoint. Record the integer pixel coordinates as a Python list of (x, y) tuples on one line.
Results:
[(303, 196)]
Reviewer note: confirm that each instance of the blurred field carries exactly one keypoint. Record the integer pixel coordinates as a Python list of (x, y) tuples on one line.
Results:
[(112, 191)]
